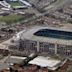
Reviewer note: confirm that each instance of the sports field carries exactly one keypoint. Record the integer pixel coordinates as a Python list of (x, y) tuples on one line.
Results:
[(11, 18), (16, 3)]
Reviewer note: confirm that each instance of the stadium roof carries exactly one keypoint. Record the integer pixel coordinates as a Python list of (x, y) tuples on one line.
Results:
[(54, 34), (29, 34)]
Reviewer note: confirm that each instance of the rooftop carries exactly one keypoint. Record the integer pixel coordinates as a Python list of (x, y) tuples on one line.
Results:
[(45, 62), (29, 34), (15, 59), (54, 34)]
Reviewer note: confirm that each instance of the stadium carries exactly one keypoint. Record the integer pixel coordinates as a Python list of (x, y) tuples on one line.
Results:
[(47, 40), (8, 4)]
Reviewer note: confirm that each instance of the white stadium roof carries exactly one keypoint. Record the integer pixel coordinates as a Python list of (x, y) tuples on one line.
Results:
[(29, 35)]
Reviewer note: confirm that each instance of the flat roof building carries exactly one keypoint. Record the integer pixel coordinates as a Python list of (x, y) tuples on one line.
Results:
[(14, 59), (41, 61)]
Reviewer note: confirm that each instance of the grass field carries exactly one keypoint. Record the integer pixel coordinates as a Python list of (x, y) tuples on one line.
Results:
[(11, 18), (13, 4)]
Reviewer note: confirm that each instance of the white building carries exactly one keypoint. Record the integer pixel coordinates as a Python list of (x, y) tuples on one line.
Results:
[(51, 64)]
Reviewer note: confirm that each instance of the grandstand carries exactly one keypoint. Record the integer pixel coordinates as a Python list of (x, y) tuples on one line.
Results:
[(46, 40), (14, 3), (5, 4)]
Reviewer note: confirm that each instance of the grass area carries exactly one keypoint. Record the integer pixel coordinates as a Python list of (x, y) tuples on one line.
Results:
[(15, 4), (11, 18), (57, 57)]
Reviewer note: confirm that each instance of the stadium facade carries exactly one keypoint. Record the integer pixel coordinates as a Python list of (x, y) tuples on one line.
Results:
[(47, 40)]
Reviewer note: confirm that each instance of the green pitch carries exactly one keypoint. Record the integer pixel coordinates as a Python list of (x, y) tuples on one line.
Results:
[(11, 18)]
